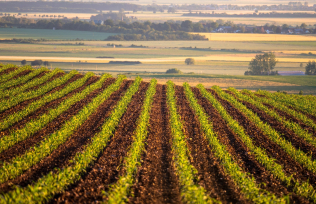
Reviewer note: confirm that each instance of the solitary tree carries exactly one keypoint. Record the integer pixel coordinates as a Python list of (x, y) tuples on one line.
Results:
[(46, 63), (310, 68), (23, 62), (262, 64), (189, 61), (37, 63)]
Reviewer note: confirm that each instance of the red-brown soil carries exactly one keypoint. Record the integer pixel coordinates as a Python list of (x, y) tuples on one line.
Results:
[(245, 159), (56, 76), (156, 181), (23, 146), (7, 71), (108, 167), (35, 77), (60, 157), (210, 172), (293, 119), (24, 73), (259, 139), (23, 104)]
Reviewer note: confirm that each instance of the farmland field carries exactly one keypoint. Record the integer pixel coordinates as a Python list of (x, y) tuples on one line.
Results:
[(73, 138)]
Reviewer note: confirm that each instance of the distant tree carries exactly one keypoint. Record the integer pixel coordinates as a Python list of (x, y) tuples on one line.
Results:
[(303, 26), (301, 65), (189, 61), (37, 63), (172, 10), (285, 26), (23, 62), (122, 10), (187, 25), (173, 71), (300, 93), (310, 68), (262, 64), (46, 63)]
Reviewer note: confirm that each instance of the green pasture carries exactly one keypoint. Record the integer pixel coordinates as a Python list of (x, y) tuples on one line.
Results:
[(22, 33)]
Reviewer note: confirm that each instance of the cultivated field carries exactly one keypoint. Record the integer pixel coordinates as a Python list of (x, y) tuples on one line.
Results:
[(73, 138)]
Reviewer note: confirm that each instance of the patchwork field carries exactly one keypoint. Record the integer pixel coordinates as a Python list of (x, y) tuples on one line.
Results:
[(73, 138)]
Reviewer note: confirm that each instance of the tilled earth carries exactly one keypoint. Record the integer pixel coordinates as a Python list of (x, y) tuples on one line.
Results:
[(156, 180)]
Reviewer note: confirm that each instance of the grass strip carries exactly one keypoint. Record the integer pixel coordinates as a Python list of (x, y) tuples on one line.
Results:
[(296, 154), (47, 186), (37, 124), (12, 169), (301, 105), (30, 84), (301, 188), (6, 104), (22, 79), (190, 192), (17, 116), (296, 128), (246, 183), (6, 77), (120, 191)]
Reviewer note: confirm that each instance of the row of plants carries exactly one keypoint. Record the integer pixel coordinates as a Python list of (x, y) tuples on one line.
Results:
[(301, 188), (16, 166), (296, 128), (6, 77), (49, 185), (5, 67), (37, 124), (120, 191), (296, 154), (301, 105), (245, 182), (14, 91), (187, 173), (8, 103), (30, 108), (22, 79)]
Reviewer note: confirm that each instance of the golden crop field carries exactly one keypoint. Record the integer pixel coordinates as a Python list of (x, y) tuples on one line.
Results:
[(256, 37)]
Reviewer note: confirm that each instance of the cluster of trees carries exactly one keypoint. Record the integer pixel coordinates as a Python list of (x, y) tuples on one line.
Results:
[(173, 71), (156, 35), (262, 65), (310, 68), (36, 63)]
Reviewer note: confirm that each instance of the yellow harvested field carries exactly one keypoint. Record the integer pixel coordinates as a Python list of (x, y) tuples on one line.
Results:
[(256, 37), (166, 60)]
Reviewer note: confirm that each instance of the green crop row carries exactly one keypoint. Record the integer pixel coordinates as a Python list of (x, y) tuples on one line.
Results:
[(30, 84), (302, 105), (22, 79), (246, 183), (120, 191), (6, 77), (21, 163), (6, 104), (303, 189), (190, 192), (296, 128), (50, 184), (296, 154), (5, 67), (17, 116), (37, 124)]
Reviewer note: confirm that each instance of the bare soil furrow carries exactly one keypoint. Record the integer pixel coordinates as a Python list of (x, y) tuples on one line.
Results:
[(44, 109), (291, 167), (36, 77), (211, 173), (61, 156), (108, 167), (23, 104), (156, 180), (23, 146), (245, 159), (58, 75), (8, 71), (26, 72)]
